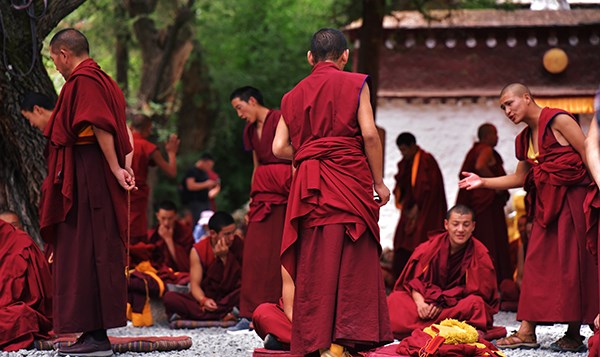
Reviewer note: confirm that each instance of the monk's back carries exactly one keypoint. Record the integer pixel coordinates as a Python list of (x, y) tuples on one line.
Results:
[(324, 104)]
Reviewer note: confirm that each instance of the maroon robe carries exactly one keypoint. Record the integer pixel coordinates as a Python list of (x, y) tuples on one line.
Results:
[(428, 196), (261, 281), (330, 242), (220, 282), (25, 290), (560, 278), (270, 318), (83, 209), (142, 153), (488, 206), (463, 284)]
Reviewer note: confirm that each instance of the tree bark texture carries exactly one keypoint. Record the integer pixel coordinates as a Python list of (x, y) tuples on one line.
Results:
[(164, 51), (22, 164), (195, 114)]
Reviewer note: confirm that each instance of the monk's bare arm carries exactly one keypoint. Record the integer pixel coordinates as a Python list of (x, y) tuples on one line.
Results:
[(192, 185), (107, 145), (168, 167), (282, 148), (372, 144), (196, 277), (592, 151), (569, 133), (473, 181), (287, 293), (129, 157)]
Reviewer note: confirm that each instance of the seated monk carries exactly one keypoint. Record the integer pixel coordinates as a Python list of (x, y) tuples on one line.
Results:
[(159, 262), (215, 275), (449, 276), (25, 290)]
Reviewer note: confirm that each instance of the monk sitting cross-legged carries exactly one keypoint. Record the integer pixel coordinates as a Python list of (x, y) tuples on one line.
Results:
[(215, 274), (449, 276)]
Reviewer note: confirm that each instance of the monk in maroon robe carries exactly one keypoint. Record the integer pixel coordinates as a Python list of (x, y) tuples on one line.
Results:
[(25, 290), (160, 260), (215, 274), (551, 169), (83, 208), (488, 205), (420, 195), (449, 276), (330, 243), (271, 181), (146, 154)]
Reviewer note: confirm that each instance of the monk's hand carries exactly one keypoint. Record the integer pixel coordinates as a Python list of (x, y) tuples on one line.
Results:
[(210, 305), (434, 312), (172, 144), (383, 192), (423, 309), (471, 181), (125, 179), (221, 249)]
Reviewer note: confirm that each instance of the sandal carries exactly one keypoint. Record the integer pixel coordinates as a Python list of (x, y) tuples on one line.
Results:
[(517, 340), (569, 344)]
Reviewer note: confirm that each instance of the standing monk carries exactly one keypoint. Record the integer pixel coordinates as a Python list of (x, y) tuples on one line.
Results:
[(420, 195), (271, 179), (487, 204), (330, 243), (560, 280), (146, 154), (83, 209)]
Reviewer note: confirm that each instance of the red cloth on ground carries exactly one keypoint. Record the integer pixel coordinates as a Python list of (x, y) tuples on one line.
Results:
[(269, 318), (427, 195), (25, 290), (593, 343), (142, 153), (465, 289), (83, 209), (411, 346), (88, 97), (219, 282), (261, 281), (331, 212), (560, 278), (488, 206), (183, 242)]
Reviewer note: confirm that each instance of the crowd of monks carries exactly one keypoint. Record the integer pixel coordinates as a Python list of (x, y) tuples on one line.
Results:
[(304, 273)]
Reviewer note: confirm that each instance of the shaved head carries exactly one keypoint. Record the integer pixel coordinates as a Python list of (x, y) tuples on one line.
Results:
[(485, 130), (517, 89), (140, 122), (328, 44), (71, 40)]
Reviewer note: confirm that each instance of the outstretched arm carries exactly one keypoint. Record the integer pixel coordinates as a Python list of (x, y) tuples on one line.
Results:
[(107, 145), (372, 144), (473, 181), (196, 273), (168, 167)]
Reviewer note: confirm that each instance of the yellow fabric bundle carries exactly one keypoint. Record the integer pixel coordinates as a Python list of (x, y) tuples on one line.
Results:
[(454, 331)]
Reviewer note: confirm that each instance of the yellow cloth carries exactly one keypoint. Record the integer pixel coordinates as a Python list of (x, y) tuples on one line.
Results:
[(531, 154), (145, 317)]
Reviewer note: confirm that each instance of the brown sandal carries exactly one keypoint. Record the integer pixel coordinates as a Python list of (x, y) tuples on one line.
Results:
[(569, 344), (517, 340)]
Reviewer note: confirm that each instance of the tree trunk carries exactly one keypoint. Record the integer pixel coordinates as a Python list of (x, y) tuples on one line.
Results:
[(371, 40), (164, 51), (22, 165), (195, 117), (123, 38)]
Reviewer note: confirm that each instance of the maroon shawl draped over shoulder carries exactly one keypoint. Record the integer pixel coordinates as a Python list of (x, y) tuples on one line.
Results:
[(89, 97), (273, 176), (558, 169), (329, 168), (25, 290), (428, 195)]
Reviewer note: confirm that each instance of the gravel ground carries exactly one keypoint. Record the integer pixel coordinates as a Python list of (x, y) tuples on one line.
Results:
[(216, 341)]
